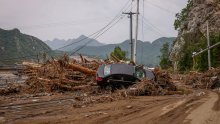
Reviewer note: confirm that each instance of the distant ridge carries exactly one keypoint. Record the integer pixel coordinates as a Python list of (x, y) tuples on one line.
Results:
[(57, 43), (147, 53), (15, 45)]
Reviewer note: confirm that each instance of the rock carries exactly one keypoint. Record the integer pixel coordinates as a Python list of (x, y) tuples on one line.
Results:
[(201, 12), (200, 94), (35, 100), (2, 120), (83, 106), (129, 107)]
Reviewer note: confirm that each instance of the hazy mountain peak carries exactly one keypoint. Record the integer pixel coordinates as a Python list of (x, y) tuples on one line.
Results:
[(81, 37), (147, 52), (16, 30), (162, 40), (57, 43)]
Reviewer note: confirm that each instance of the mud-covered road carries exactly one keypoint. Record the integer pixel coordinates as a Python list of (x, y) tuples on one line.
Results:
[(200, 107)]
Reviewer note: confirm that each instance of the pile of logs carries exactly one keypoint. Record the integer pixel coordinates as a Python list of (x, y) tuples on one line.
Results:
[(67, 74), (162, 85), (61, 75), (207, 80), (8, 90)]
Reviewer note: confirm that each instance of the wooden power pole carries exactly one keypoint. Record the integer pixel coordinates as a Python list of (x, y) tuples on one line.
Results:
[(131, 31), (136, 34), (207, 49), (208, 42)]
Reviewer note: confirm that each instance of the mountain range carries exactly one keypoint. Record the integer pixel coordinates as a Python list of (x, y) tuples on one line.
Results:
[(16, 46), (147, 53), (58, 43)]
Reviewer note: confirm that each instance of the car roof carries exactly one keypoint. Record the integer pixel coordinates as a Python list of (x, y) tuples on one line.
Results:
[(122, 69), (117, 69)]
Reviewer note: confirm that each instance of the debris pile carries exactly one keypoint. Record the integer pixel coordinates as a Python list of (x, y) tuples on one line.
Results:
[(61, 75), (67, 74), (207, 80), (161, 86), (12, 89)]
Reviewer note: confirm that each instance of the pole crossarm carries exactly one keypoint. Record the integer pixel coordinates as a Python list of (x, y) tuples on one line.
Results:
[(202, 51), (129, 13)]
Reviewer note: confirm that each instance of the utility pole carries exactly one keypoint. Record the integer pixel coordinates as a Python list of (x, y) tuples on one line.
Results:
[(208, 42), (207, 49), (131, 32), (136, 35), (202, 51)]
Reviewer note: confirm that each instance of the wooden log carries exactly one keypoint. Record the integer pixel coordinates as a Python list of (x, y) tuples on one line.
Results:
[(82, 59), (83, 87), (31, 65), (114, 58), (76, 67)]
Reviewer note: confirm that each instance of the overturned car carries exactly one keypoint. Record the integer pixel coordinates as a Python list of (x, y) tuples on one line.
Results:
[(121, 75)]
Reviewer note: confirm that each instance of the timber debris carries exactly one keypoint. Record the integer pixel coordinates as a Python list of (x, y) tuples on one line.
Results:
[(162, 85), (206, 80), (61, 75), (70, 75)]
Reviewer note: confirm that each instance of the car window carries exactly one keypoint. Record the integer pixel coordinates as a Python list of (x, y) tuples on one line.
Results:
[(140, 73), (107, 70)]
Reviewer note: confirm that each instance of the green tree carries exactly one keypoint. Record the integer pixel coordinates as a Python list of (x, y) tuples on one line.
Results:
[(201, 61), (181, 17), (164, 58), (119, 53)]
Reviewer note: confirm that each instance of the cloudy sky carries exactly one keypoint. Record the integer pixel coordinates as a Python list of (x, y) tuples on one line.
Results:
[(67, 19)]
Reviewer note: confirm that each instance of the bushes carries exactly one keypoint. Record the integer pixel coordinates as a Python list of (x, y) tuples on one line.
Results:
[(165, 63), (201, 61), (119, 53), (181, 17)]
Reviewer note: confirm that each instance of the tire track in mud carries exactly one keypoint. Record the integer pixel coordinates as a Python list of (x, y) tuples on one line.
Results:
[(206, 112), (216, 107), (32, 109), (178, 114), (101, 113), (142, 107), (126, 115), (197, 110)]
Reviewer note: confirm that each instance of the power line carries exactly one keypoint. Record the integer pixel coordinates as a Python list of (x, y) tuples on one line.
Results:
[(97, 36), (151, 29), (155, 5), (155, 28), (78, 41), (116, 17), (96, 33)]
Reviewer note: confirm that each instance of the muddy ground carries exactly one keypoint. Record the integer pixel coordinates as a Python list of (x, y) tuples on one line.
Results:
[(197, 107)]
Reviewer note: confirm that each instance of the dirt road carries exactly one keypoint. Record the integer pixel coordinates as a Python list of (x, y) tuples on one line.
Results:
[(197, 108)]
